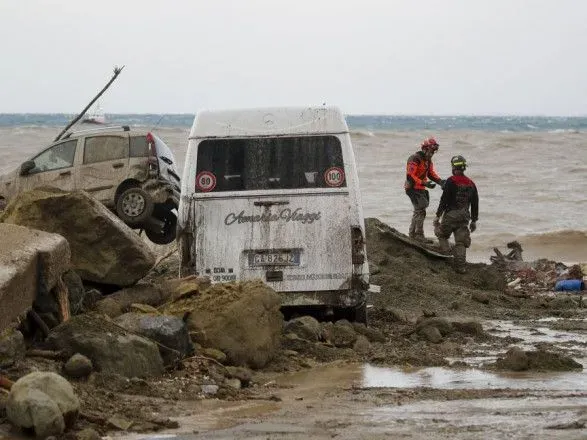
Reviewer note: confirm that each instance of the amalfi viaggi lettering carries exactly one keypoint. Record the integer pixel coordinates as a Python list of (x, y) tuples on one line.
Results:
[(286, 215)]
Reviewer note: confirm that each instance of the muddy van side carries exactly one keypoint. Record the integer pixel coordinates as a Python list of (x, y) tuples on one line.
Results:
[(273, 194)]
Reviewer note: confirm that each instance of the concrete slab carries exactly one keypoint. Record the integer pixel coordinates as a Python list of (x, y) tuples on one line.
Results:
[(28, 258)]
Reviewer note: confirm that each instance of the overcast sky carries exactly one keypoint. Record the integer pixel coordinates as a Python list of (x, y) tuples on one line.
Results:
[(366, 56)]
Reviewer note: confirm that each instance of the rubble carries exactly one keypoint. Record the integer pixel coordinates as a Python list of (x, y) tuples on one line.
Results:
[(31, 263), (103, 249)]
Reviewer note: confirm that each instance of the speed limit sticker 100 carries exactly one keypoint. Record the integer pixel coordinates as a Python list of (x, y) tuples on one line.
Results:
[(334, 176), (205, 181)]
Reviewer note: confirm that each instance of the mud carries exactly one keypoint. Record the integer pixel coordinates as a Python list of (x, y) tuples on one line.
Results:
[(399, 384)]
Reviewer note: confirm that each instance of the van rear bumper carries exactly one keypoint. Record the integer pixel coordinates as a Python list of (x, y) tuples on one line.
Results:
[(330, 298)]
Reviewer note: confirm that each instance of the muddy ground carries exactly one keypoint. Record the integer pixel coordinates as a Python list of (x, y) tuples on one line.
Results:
[(405, 383)]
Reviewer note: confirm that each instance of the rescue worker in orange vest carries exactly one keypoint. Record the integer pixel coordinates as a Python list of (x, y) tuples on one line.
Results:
[(419, 169), (458, 197)]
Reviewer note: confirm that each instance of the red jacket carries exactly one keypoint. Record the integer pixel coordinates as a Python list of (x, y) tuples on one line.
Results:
[(418, 170)]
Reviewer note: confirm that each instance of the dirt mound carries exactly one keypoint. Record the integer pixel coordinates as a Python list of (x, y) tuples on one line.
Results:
[(415, 281)]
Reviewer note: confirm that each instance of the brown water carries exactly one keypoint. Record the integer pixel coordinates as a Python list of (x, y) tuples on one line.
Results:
[(530, 184), (367, 402)]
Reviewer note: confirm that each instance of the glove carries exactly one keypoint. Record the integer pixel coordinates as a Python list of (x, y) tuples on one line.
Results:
[(473, 226), (442, 183), (429, 184)]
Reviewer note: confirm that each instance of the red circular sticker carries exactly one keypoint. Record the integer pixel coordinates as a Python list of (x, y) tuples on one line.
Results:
[(205, 181), (334, 176)]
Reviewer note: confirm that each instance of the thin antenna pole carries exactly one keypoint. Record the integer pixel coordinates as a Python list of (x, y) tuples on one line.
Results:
[(117, 71)]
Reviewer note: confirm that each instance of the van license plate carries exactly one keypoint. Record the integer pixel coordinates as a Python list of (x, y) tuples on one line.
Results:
[(274, 259)]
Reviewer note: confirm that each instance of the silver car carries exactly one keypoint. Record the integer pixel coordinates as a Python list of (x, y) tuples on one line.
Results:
[(132, 172)]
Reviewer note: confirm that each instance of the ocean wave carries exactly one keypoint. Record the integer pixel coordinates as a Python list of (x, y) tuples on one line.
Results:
[(362, 134)]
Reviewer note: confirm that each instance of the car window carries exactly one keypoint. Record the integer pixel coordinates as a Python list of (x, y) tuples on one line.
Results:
[(103, 148), (57, 157), (269, 163), (139, 146)]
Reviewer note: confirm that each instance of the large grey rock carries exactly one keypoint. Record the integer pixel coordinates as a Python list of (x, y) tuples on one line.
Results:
[(30, 260), (110, 348), (103, 248), (341, 334), (121, 301), (44, 402), (12, 347), (306, 327), (169, 331)]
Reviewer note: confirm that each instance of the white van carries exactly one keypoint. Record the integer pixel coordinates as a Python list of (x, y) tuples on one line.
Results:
[(273, 194)]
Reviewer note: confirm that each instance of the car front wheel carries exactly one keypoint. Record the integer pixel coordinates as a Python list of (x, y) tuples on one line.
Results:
[(134, 206)]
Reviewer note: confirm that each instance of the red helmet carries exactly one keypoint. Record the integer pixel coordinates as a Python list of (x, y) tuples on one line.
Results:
[(430, 144)]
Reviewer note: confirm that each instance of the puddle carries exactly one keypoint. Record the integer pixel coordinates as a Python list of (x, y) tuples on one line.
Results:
[(444, 378)]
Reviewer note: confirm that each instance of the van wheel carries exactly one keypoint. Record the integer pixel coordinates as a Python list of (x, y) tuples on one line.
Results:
[(165, 234), (134, 206), (360, 313)]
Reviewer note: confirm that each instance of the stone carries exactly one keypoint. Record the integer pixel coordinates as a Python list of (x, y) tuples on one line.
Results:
[(88, 434), (362, 345), (76, 292), (169, 331), (468, 327), (210, 389), (306, 327), (243, 374), (431, 334), (515, 359), (395, 315), (443, 325), (480, 297), (78, 366), (215, 354), (12, 347), (120, 423), (121, 301), (44, 402), (243, 320), (233, 383), (144, 308), (30, 260), (110, 348), (103, 249), (341, 335), (371, 333)]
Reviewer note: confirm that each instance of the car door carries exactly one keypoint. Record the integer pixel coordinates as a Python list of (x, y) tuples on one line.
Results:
[(53, 167), (105, 164)]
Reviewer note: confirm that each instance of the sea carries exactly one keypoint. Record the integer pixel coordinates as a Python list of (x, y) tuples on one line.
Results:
[(530, 171)]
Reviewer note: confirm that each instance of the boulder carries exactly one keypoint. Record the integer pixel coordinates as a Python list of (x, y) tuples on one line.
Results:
[(44, 402), (431, 334), (169, 331), (103, 249), (30, 261), (243, 320), (443, 325), (306, 327), (12, 347), (517, 359), (371, 333), (78, 366), (110, 348), (362, 345), (341, 334)]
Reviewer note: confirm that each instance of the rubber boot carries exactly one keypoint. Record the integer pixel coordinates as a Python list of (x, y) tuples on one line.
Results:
[(443, 244), (460, 258), (419, 216)]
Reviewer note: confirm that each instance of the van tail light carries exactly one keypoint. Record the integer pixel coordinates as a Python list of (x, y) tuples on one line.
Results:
[(152, 160), (357, 245)]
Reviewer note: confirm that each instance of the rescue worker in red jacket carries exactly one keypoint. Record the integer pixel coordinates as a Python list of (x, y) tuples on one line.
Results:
[(458, 205), (419, 169)]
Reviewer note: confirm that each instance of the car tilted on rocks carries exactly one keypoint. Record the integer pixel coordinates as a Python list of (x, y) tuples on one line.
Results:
[(132, 172)]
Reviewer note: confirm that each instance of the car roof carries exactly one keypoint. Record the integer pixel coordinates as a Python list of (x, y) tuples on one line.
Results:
[(102, 131)]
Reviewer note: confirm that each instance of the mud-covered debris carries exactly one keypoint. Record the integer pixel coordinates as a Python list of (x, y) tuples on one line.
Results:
[(431, 334), (362, 345), (340, 334), (78, 366), (306, 327), (517, 359), (371, 333), (443, 325)]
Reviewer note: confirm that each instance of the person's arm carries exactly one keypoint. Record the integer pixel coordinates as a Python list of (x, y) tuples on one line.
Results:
[(447, 193), (474, 205), (433, 176)]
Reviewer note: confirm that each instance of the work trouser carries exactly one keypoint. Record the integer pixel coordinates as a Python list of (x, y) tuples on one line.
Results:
[(420, 199), (457, 222)]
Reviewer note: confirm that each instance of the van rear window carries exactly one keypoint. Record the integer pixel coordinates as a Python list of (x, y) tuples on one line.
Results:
[(269, 163)]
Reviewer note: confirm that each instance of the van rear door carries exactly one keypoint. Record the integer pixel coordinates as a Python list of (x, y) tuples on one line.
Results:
[(274, 208)]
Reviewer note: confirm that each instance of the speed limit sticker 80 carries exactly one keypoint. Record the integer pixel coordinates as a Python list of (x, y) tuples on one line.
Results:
[(205, 181), (334, 176)]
